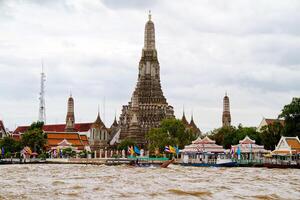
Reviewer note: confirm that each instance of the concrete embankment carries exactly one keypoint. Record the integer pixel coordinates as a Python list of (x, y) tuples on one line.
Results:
[(101, 161)]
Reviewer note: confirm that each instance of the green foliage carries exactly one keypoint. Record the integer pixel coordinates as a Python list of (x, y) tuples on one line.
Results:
[(34, 137), (68, 152), (291, 115), (84, 154), (125, 144), (270, 135), (8, 154), (10, 145), (170, 132), (227, 136)]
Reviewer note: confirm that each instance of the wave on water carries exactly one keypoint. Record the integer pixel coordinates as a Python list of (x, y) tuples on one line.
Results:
[(190, 193), (267, 197)]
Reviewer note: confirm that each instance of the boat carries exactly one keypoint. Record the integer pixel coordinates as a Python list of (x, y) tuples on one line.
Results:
[(167, 163)]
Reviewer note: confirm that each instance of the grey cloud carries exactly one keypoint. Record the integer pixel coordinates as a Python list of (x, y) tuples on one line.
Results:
[(130, 4)]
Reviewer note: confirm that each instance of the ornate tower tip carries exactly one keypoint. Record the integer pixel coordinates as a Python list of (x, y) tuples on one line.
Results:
[(149, 15)]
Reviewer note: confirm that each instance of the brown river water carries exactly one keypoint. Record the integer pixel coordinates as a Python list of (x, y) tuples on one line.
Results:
[(50, 181)]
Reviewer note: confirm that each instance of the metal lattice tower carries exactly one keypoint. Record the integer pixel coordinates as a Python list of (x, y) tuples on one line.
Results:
[(42, 108)]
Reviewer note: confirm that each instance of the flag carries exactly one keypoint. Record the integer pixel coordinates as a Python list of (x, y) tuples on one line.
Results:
[(136, 150), (250, 151), (172, 149), (130, 150), (167, 149), (177, 150), (2, 151), (232, 151), (239, 152)]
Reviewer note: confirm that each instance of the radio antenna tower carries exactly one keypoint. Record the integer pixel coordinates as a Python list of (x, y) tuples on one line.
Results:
[(42, 108)]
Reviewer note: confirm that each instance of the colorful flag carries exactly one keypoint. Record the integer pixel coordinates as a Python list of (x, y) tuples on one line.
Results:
[(238, 152), (136, 150), (172, 149), (167, 149), (130, 150), (177, 150)]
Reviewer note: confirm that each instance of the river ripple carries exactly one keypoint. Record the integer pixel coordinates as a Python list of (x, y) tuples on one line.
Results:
[(123, 182)]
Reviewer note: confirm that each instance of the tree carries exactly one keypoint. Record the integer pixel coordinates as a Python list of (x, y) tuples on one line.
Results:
[(227, 136), (10, 145), (170, 132), (291, 115), (34, 137), (223, 136), (271, 134), (125, 144)]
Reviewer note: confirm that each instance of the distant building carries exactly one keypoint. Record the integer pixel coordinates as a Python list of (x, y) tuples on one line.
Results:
[(99, 135), (226, 117), (191, 126), (266, 121)]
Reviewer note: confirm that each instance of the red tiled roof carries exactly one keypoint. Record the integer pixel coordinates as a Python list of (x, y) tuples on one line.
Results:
[(271, 121), (81, 127)]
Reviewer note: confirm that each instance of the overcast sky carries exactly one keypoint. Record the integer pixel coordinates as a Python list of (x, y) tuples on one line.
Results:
[(91, 47)]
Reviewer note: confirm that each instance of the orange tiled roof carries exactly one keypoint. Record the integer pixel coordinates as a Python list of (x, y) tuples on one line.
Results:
[(84, 139), (293, 143), (55, 138)]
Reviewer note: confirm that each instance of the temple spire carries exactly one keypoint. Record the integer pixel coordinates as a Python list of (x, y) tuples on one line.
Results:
[(149, 15), (70, 118), (226, 117), (149, 42)]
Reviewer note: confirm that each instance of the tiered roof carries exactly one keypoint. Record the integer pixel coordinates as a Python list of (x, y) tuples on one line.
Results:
[(56, 138), (247, 145), (287, 146), (205, 145)]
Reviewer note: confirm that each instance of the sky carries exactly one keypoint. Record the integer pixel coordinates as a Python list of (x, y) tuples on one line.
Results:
[(91, 48)]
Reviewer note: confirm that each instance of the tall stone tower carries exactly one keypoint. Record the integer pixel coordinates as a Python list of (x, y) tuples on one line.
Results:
[(226, 118), (70, 118), (148, 106)]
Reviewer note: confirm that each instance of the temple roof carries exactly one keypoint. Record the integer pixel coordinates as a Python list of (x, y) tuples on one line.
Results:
[(287, 145), (98, 122), (80, 127), (247, 140), (203, 145), (115, 123), (183, 119), (55, 138), (271, 121)]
